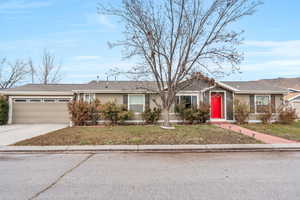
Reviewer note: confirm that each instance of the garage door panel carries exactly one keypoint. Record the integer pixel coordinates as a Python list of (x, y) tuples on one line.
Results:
[(40, 113)]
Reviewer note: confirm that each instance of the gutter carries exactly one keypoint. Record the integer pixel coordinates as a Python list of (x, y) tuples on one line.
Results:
[(216, 148), (35, 93)]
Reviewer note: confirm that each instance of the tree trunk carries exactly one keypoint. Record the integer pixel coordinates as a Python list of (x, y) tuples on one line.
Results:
[(166, 117)]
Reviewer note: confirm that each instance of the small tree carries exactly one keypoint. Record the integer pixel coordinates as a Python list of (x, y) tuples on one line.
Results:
[(12, 73), (266, 115), (115, 113), (48, 72), (84, 113), (151, 116), (287, 114), (241, 111), (176, 38), (3, 111)]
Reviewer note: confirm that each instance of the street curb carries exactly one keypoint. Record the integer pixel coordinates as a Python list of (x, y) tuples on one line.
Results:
[(153, 148)]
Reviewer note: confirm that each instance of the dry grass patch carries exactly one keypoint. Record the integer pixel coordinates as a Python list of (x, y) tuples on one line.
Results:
[(193, 134), (287, 131)]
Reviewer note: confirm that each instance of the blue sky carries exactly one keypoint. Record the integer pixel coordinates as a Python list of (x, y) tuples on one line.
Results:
[(78, 36)]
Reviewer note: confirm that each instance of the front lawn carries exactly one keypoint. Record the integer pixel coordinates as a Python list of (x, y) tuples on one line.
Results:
[(193, 134), (290, 132)]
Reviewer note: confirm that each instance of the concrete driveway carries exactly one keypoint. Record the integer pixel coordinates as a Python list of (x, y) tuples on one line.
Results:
[(11, 134)]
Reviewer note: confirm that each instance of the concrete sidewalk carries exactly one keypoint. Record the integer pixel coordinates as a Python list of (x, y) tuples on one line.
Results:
[(152, 148), (265, 138)]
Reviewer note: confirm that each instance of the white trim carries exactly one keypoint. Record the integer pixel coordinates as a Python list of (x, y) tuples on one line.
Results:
[(260, 92), (189, 94), (35, 93), (45, 97), (292, 98), (10, 109), (114, 91), (294, 90), (255, 110), (226, 86), (144, 104), (225, 104), (205, 89)]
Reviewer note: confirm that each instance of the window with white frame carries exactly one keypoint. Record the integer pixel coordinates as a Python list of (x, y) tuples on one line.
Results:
[(262, 103), (88, 97), (136, 103), (187, 100)]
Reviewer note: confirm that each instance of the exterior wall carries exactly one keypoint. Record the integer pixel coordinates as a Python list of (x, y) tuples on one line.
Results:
[(105, 98), (245, 98)]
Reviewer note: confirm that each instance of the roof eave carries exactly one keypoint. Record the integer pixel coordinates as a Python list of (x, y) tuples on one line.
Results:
[(36, 93), (114, 91), (260, 92)]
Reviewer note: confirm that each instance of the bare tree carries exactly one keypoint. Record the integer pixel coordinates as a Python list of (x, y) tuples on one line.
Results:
[(32, 70), (49, 71), (177, 38), (12, 73)]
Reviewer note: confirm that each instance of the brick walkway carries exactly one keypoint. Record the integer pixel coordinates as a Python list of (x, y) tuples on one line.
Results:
[(268, 139)]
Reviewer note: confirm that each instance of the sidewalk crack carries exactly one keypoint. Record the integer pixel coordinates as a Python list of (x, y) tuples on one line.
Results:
[(60, 177)]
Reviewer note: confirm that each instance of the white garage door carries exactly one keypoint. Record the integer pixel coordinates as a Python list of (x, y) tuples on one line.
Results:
[(38, 110)]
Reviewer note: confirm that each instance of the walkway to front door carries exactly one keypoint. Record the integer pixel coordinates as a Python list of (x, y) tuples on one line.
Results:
[(268, 139)]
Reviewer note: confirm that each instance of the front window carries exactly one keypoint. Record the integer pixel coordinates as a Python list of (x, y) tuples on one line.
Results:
[(187, 100), (136, 103), (89, 97), (262, 103)]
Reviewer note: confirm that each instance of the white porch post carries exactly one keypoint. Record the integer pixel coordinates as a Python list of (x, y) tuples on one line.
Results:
[(10, 103)]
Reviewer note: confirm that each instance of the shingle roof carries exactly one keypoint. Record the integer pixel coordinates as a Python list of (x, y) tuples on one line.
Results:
[(100, 85), (253, 86), (138, 86)]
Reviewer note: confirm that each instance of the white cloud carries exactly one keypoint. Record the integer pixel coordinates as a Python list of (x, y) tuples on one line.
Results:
[(287, 67), (289, 48), (96, 19)]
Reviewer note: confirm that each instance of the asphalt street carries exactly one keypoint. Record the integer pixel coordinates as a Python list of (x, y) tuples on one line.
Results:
[(157, 176)]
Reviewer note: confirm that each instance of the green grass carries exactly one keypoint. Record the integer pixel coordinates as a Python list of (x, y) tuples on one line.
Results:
[(287, 131), (189, 134)]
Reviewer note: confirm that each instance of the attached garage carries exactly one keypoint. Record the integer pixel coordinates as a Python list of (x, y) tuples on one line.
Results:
[(40, 110)]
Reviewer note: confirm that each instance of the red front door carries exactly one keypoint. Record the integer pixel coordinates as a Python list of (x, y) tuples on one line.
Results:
[(216, 106)]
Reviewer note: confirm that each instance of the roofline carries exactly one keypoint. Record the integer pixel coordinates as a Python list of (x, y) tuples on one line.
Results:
[(261, 92), (295, 90), (227, 86), (114, 91), (35, 93), (292, 98)]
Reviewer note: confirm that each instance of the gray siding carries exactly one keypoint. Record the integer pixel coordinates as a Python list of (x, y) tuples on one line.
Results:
[(229, 105)]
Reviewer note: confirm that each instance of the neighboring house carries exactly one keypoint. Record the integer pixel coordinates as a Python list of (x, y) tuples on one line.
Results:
[(36, 103), (293, 99)]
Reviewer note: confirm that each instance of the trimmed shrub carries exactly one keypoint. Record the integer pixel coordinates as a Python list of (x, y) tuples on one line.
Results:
[(287, 115), (241, 112), (3, 111), (202, 114), (94, 112), (115, 113), (124, 114), (151, 116), (84, 113), (267, 115), (193, 114)]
